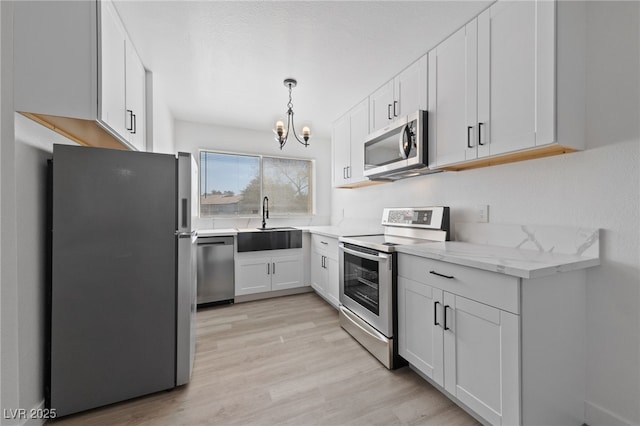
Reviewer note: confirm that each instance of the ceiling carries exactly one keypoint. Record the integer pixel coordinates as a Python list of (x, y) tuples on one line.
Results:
[(223, 62)]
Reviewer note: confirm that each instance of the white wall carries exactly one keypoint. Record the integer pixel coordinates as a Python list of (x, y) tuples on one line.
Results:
[(595, 188), (160, 130), (191, 137)]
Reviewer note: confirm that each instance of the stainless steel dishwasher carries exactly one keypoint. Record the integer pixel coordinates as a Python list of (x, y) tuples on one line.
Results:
[(215, 270)]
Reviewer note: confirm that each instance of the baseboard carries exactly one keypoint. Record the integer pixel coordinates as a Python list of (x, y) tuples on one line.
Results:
[(270, 294), (595, 415)]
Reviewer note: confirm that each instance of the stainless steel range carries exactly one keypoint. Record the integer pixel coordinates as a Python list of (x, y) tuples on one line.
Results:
[(368, 276)]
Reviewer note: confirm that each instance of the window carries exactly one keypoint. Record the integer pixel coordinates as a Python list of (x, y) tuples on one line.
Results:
[(234, 184)]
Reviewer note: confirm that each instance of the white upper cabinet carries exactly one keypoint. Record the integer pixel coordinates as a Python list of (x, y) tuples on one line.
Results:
[(452, 97), (405, 94), (349, 134), (410, 88), (341, 141), (359, 120), (515, 81), (381, 106), (122, 80), (135, 98), (71, 61), (492, 84), (112, 87)]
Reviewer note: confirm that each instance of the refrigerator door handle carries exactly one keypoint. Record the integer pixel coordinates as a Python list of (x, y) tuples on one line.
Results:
[(185, 205)]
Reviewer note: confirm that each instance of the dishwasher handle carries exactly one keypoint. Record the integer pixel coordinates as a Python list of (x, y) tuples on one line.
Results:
[(223, 241)]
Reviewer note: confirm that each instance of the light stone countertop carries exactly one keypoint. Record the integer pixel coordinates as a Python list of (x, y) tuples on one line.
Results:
[(329, 231), (505, 260), (217, 232), (337, 231)]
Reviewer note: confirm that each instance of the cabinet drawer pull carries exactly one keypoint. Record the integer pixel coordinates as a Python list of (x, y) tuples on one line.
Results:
[(445, 317), (480, 133), (449, 277), (324, 242), (435, 313), (469, 136)]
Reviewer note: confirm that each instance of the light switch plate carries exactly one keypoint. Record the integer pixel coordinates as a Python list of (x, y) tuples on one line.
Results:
[(483, 213)]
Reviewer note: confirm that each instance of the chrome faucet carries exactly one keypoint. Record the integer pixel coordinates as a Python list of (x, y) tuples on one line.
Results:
[(265, 211)]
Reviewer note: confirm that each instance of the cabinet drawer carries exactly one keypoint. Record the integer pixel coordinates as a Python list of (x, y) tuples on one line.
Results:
[(493, 289), (328, 245)]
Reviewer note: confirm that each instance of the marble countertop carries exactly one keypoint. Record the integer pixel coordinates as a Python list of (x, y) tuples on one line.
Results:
[(505, 260), (336, 231), (329, 231), (216, 232)]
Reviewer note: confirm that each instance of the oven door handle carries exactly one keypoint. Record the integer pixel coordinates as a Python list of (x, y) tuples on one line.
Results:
[(379, 258), (355, 320)]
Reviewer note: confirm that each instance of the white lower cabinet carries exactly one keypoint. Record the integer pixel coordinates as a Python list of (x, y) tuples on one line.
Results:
[(509, 349), (420, 334), (324, 268), (257, 272), (481, 358), (468, 348)]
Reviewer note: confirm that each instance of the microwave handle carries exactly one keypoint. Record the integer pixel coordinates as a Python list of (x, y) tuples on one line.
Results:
[(405, 134)]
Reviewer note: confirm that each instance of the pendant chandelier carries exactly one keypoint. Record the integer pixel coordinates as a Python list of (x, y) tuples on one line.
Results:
[(282, 132)]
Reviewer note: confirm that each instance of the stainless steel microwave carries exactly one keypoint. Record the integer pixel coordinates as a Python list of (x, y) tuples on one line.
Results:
[(399, 150)]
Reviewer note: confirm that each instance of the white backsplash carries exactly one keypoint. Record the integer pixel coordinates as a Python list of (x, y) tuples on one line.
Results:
[(549, 239)]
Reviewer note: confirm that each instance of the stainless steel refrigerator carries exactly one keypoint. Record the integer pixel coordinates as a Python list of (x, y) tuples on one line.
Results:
[(122, 296)]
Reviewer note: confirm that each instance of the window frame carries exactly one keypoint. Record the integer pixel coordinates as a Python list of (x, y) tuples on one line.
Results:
[(312, 185)]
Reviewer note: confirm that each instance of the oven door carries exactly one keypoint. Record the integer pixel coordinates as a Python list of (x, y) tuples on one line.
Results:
[(366, 277)]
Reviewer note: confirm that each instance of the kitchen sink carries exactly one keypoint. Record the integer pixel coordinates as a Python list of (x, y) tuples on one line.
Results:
[(276, 238)]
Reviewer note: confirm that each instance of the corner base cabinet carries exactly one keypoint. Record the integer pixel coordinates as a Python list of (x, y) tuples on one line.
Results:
[(509, 350)]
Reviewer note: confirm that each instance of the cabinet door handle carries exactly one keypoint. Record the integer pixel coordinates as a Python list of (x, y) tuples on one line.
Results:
[(268, 269), (480, 133), (449, 277), (324, 264), (435, 313), (130, 125), (469, 136), (273, 271), (344, 173), (134, 124), (389, 111), (445, 317), (395, 111), (348, 172)]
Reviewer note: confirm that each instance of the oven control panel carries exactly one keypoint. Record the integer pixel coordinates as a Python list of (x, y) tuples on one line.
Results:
[(420, 217)]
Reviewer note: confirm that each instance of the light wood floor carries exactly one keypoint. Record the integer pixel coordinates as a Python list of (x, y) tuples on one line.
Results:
[(283, 361)]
